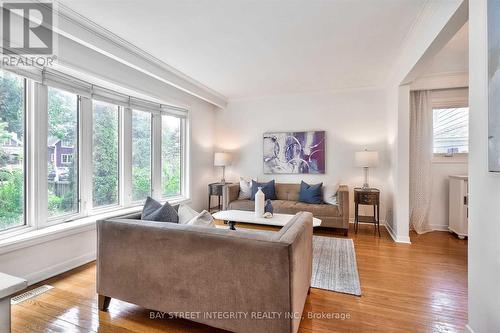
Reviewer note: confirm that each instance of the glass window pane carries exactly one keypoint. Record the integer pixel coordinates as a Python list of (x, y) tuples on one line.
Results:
[(170, 156), (11, 151), (105, 154), (62, 152), (141, 155), (451, 130)]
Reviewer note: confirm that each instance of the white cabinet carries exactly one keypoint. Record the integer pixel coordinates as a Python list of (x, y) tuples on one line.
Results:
[(458, 208)]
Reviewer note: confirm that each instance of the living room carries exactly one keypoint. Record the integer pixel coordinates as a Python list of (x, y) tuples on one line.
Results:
[(319, 131)]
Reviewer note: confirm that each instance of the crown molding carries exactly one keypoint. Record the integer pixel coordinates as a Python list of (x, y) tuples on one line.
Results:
[(82, 30)]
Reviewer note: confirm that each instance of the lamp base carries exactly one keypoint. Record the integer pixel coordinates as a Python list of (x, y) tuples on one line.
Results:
[(365, 186)]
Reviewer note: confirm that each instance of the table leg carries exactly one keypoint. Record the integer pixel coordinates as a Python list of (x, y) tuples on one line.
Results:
[(5, 314), (356, 218), (231, 225), (209, 203), (378, 219)]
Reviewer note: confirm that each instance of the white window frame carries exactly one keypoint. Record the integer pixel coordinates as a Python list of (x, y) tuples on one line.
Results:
[(444, 99), (69, 158), (82, 115), (183, 144), (120, 203)]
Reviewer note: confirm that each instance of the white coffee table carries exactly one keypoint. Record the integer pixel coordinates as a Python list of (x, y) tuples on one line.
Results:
[(242, 216)]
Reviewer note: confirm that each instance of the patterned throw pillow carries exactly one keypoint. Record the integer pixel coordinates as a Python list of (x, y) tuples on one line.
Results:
[(155, 211)]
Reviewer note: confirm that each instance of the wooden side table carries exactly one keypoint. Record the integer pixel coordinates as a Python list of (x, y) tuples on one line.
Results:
[(370, 197), (216, 189)]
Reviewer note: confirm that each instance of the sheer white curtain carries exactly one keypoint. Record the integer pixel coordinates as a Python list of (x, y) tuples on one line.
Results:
[(420, 159)]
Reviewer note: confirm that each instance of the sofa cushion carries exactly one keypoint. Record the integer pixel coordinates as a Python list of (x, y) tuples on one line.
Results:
[(287, 191), (290, 207), (155, 211), (267, 188), (311, 193)]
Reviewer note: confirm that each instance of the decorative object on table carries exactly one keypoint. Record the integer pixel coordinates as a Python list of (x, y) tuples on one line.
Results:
[(334, 265), (312, 194), (366, 159), (222, 160), (494, 86), (155, 211), (216, 189), (259, 202), (267, 188), (294, 152), (245, 188), (267, 215), (370, 197), (268, 208)]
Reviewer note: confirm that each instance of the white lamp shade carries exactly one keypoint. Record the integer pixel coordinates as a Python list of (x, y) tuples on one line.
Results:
[(222, 159), (366, 159)]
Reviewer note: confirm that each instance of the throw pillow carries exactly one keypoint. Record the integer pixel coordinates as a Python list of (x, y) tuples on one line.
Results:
[(267, 188), (203, 219), (155, 211), (245, 188), (311, 193), (330, 193), (186, 214)]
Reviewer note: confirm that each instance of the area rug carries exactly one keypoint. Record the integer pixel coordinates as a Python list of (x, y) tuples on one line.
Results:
[(334, 265)]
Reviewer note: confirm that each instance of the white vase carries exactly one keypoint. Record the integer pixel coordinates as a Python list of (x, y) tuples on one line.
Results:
[(259, 203)]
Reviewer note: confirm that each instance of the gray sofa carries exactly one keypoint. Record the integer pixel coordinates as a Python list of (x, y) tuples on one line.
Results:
[(331, 216), (172, 267)]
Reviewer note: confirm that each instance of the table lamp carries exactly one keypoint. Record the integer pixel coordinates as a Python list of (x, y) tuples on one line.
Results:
[(223, 160), (366, 159)]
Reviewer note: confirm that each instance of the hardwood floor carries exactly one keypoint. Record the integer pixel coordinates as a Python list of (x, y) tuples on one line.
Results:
[(420, 287)]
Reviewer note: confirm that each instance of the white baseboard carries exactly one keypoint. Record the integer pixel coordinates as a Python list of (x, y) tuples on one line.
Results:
[(397, 239), (59, 268), (468, 329)]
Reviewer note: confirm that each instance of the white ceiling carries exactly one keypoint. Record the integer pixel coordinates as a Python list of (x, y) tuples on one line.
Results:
[(249, 48)]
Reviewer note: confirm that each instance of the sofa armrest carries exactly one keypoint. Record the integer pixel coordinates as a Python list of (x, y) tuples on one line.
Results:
[(230, 194), (343, 202)]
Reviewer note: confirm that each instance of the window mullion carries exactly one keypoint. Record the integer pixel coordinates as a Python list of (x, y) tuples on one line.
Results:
[(85, 155), (126, 157), (39, 144), (156, 156)]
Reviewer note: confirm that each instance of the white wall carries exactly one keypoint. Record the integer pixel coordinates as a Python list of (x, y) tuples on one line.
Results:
[(484, 188), (352, 120)]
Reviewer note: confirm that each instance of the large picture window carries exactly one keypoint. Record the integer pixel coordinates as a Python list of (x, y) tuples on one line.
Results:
[(62, 142), (12, 148), (171, 156), (105, 154), (81, 150), (141, 155)]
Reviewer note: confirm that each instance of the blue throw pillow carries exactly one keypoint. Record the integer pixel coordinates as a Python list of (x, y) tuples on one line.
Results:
[(312, 194), (267, 188)]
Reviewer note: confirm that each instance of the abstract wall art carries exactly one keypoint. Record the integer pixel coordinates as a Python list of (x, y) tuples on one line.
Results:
[(294, 152)]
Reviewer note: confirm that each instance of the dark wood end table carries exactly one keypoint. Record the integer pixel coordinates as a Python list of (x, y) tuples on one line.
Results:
[(369, 197)]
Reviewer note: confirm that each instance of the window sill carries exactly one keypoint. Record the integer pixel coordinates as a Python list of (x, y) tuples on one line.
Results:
[(458, 159), (33, 237)]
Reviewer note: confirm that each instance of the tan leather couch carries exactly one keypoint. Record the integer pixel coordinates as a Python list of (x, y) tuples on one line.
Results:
[(331, 216), (227, 279)]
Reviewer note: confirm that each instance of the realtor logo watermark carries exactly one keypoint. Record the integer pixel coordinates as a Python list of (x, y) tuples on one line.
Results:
[(27, 34)]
